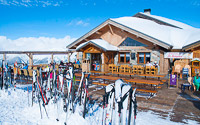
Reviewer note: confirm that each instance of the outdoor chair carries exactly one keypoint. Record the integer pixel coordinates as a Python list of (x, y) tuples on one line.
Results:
[(15, 70), (25, 73), (153, 70), (38, 73), (148, 70), (135, 69), (19, 72), (185, 71), (110, 67), (56, 67), (30, 67), (43, 68), (115, 68), (121, 68), (35, 68), (189, 68), (140, 70), (127, 68), (189, 85), (30, 73)]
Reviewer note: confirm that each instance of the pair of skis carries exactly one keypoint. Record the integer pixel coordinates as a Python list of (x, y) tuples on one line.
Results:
[(82, 93), (38, 92), (82, 96), (6, 79), (119, 94)]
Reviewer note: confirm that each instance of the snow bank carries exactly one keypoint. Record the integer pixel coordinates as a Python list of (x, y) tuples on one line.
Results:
[(15, 109)]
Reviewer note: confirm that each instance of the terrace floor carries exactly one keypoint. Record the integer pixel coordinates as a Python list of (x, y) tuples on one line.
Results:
[(169, 102)]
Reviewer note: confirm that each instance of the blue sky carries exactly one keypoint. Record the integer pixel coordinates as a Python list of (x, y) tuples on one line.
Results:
[(57, 18)]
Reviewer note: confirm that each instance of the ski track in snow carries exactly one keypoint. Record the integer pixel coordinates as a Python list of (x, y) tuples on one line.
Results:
[(14, 109)]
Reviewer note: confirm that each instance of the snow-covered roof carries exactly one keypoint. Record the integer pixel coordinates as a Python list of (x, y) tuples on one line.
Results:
[(176, 37), (168, 21), (99, 43)]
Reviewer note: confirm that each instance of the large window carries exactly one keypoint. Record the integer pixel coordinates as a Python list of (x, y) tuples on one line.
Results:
[(144, 57), (124, 57), (131, 42)]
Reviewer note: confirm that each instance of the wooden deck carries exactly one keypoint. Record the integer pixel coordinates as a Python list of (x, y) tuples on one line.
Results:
[(97, 78)]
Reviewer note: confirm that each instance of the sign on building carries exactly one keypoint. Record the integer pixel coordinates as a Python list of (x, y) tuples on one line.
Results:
[(178, 55)]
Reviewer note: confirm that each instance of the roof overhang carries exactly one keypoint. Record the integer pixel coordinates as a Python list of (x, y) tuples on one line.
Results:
[(98, 45), (125, 28), (191, 46)]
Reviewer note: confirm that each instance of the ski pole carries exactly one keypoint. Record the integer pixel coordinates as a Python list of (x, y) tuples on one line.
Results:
[(130, 106), (2, 73)]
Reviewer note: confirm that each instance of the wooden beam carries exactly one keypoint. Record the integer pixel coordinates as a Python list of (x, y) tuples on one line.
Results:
[(86, 40), (110, 29), (98, 32)]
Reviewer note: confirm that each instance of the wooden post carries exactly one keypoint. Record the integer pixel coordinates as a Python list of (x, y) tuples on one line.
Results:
[(83, 56), (30, 55), (4, 57), (77, 56), (161, 62), (52, 58), (103, 62), (68, 56)]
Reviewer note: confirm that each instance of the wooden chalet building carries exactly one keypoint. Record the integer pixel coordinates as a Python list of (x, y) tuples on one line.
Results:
[(137, 39)]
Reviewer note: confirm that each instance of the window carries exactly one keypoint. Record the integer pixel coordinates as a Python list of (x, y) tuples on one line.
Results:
[(148, 57), (141, 57), (127, 57), (131, 42), (124, 57), (132, 56), (144, 57)]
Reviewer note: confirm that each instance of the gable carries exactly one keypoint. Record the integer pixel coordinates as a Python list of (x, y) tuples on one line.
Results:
[(112, 23), (91, 49)]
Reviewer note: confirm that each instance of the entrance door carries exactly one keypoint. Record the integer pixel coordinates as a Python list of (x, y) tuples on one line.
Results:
[(96, 61)]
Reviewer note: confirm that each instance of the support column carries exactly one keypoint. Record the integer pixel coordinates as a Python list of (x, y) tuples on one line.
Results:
[(4, 57), (161, 63), (52, 58), (77, 56), (68, 57), (103, 62), (30, 55)]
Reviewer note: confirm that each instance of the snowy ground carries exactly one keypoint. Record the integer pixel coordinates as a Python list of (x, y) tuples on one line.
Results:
[(15, 109)]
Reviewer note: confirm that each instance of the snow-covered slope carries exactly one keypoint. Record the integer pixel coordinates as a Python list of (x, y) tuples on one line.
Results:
[(15, 109)]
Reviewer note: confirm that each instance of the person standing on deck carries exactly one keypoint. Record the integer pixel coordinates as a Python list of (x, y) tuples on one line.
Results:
[(197, 81)]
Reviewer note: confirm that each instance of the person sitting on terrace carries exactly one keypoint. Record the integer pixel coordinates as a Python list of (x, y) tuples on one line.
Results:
[(197, 81), (25, 67), (61, 63), (155, 64), (148, 64), (78, 62)]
